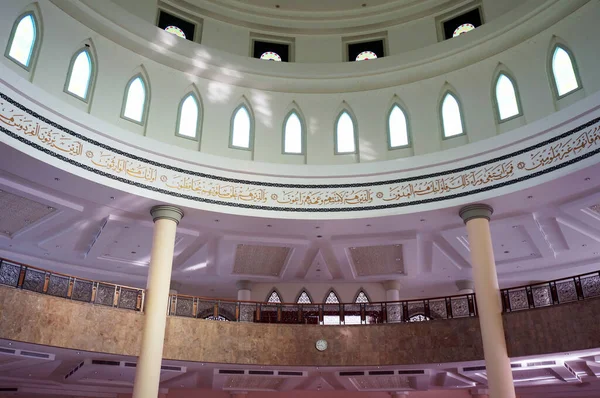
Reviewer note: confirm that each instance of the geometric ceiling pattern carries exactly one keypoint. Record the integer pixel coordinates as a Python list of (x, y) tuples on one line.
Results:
[(260, 260), (19, 212), (377, 260)]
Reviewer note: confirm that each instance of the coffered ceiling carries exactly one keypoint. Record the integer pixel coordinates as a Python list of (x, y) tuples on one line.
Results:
[(72, 225)]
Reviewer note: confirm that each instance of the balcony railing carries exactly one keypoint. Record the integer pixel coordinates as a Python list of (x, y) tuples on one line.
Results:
[(537, 295)]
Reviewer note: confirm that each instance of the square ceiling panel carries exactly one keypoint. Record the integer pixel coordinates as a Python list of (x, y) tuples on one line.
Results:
[(377, 260), (392, 382), (19, 212), (260, 260)]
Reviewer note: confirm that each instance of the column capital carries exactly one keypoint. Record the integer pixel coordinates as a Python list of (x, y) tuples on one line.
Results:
[(391, 285), (243, 285), (477, 210), (464, 285), (166, 211)]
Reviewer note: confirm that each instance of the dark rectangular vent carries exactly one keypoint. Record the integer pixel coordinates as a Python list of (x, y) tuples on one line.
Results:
[(261, 372), (542, 363), (9, 389), (515, 365), (34, 354), (411, 372), (352, 373), (288, 373), (231, 372), (174, 368), (472, 368), (102, 362), (130, 364), (381, 372), (7, 350)]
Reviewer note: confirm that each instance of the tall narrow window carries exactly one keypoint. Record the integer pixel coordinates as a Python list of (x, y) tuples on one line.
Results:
[(23, 40), (274, 297), (135, 100), (345, 134), (79, 77), (506, 98), (241, 128), (452, 123), (292, 134), (304, 298), (397, 128), (189, 110), (361, 297), (563, 71)]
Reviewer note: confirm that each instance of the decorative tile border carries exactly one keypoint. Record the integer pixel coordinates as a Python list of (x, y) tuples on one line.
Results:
[(39, 133)]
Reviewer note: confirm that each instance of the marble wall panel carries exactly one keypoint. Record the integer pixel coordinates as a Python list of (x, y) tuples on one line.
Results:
[(42, 319)]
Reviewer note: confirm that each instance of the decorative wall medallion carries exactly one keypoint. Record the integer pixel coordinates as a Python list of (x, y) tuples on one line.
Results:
[(113, 160), (321, 345)]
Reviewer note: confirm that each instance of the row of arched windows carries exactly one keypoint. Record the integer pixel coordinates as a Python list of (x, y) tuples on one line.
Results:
[(25, 39), (331, 298)]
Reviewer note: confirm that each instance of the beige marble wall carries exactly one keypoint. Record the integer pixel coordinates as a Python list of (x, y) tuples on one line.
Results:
[(39, 319)]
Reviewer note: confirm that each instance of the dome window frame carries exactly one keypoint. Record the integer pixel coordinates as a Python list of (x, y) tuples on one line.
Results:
[(345, 110), (294, 111), (91, 84), (245, 105), (199, 117), (449, 91), (554, 46), (396, 103), (34, 46), (147, 96), (503, 71)]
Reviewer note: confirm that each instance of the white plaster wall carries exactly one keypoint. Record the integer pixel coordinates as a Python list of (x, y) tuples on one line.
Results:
[(62, 35)]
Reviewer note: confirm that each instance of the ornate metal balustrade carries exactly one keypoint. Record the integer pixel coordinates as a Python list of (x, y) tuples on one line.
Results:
[(554, 292), (537, 295), (59, 285), (324, 314)]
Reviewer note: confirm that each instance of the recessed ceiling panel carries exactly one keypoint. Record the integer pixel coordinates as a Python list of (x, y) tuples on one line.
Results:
[(392, 382), (377, 260), (253, 383), (260, 260), (18, 212)]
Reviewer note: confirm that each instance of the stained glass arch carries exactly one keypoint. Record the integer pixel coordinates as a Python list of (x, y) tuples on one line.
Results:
[(270, 56), (274, 297), (361, 297), (188, 117), (363, 56), (304, 298), (135, 103), (293, 133), (564, 73), (451, 115), (23, 43), (464, 28), (174, 30), (397, 127), (345, 133), (242, 128), (332, 298), (81, 74), (506, 97)]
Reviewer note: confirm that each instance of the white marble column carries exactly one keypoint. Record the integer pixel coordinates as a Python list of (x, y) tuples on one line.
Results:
[(487, 293), (147, 372), (244, 292), (392, 296)]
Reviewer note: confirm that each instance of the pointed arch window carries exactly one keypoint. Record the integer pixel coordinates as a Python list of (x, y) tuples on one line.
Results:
[(361, 298), (293, 134), (23, 40), (304, 298), (188, 117), (332, 298), (79, 77), (507, 102), (345, 134), (134, 107), (274, 297), (452, 121), (397, 128), (241, 128), (564, 71), (418, 318)]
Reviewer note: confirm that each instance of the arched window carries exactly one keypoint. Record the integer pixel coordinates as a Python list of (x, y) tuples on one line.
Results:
[(397, 128), (332, 298), (304, 298), (188, 117), (361, 297), (241, 128), (507, 102), (564, 71), (292, 134), (365, 55), (216, 318), (136, 100), (345, 134), (174, 30), (274, 297), (270, 56), (418, 318), (79, 77), (452, 122), (23, 40)]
